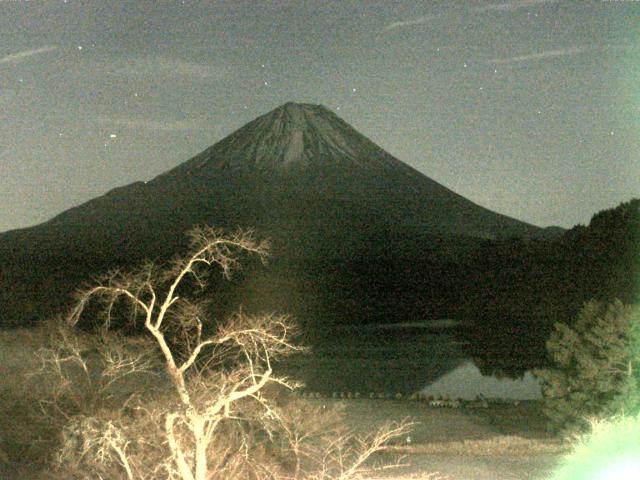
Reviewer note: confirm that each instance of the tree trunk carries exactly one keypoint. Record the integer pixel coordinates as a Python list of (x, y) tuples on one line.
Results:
[(197, 425)]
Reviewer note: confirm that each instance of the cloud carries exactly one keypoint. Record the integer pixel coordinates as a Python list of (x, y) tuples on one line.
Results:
[(25, 54), (558, 52), (492, 7), (167, 67), (407, 23), (561, 52), (152, 124), (510, 6)]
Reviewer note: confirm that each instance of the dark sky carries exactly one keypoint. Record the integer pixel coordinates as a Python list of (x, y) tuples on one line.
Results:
[(528, 107)]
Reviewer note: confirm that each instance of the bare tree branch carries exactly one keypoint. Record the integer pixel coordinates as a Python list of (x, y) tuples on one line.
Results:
[(220, 382)]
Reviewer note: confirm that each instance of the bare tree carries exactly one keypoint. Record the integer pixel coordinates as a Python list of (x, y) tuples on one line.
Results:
[(220, 383), (324, 448)]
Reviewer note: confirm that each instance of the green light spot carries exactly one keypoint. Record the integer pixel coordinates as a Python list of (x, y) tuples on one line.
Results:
[(611, 451), (627, 469)]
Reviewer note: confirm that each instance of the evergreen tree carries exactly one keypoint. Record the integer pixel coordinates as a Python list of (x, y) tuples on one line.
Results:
[(595, 366)]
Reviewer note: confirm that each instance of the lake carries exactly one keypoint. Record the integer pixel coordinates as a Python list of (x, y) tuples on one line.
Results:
[(401, 358)]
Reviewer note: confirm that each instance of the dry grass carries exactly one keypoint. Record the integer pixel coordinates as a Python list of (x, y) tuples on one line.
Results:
[(507, 445)]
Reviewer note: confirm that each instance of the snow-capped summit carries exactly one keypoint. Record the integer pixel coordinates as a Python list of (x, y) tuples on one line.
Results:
[(293, 134)]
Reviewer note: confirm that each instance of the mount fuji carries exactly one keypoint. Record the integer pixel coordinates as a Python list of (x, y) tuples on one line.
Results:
[(348, 222)]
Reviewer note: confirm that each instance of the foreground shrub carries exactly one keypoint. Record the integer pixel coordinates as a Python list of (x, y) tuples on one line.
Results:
[(595, 372), (217, 410)]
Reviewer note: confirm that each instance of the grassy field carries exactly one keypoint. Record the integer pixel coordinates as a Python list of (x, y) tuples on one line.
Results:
[(501, 442), (498, 442)]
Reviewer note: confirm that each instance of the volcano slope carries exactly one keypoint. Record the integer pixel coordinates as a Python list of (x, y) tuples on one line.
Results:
[(358, 236)]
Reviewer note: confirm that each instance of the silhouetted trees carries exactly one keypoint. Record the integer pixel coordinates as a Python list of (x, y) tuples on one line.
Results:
[(517, 289)]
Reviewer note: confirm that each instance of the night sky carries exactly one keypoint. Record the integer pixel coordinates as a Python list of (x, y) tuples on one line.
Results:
[(528, 107)]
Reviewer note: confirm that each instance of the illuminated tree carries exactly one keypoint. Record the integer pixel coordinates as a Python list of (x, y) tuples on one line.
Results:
[(216, 411)]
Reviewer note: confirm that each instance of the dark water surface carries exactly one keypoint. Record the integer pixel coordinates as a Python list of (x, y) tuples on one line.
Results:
[(381, 359), (402, 358)]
